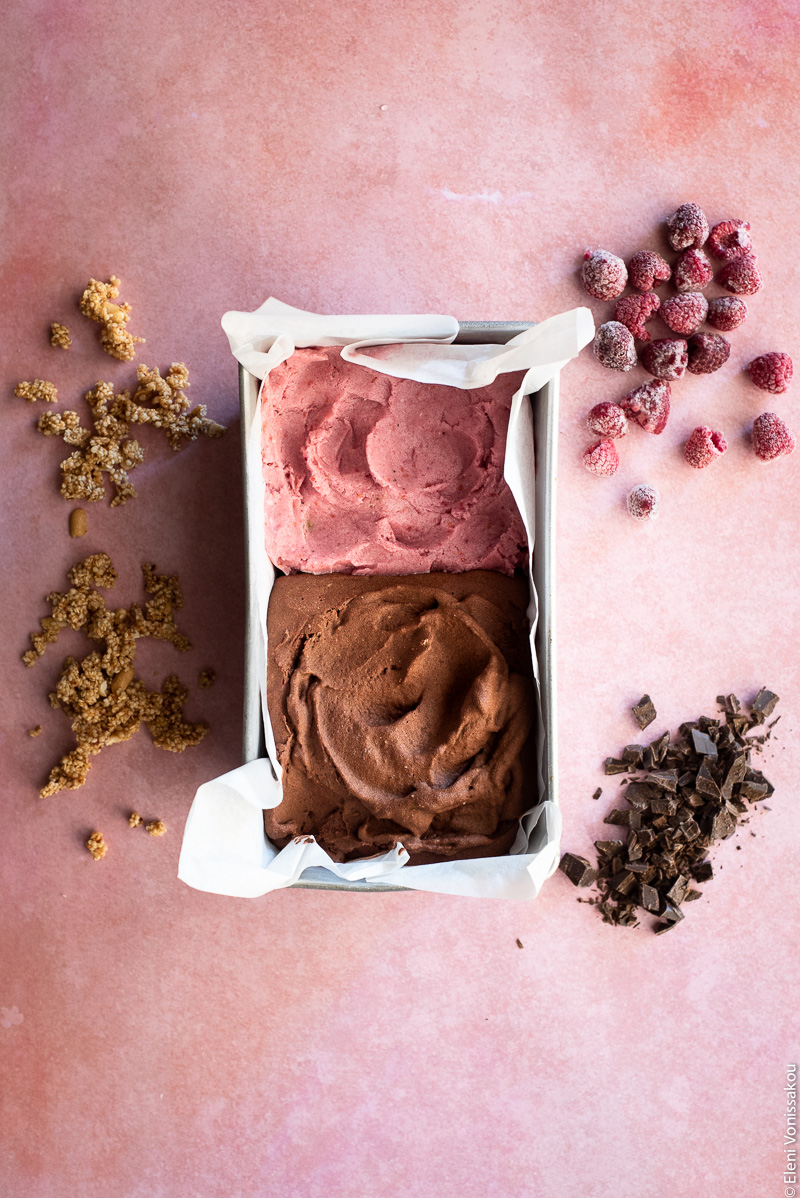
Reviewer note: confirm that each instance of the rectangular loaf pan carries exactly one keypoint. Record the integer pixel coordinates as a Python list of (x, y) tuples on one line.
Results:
[(545, 422)]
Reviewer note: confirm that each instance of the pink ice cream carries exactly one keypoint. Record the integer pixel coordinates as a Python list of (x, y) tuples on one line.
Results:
[(368, 474)]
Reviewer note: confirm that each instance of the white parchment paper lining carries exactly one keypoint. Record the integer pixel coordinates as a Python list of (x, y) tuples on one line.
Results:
[(224, 849)]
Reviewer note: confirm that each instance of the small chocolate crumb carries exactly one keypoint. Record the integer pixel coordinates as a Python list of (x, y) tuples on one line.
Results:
[(597, 793), (519, 943), (644, 712)]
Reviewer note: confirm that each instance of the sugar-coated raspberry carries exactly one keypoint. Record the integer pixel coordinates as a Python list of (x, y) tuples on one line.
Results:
[(771, 437), (607, 420), (665, 358), (687, 228), (601, 458), (642, 502), (704, 445), (647, 269), (603, 275), (634, 311), (771, 372), (707, 352), (727, 312), (685, 313), (730, 239), (649, 405), (692, 271), (613, 346), (741, 276)]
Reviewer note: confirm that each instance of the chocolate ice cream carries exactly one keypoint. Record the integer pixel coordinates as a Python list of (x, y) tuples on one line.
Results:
[(402, 708)]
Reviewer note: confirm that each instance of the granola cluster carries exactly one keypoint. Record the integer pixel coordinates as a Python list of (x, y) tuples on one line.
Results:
[(206, 678), (38, 389), (103, 698), (59, 335), (97, 846), (107, 448), (97, 303)]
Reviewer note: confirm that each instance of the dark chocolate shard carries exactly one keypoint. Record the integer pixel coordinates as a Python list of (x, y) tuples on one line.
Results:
[(663, 927), (597, 793), (664, 779), (659, 748), (672, 913), (765, 702), (625, 819), (633, 755), (691, 895), (608, 848), (729, 703), (705, 782), (723, 825), (664, 806), (677, 890), (578, 869), (623, 881), (703, 744), (644, 712), (703, 871), (612, 765), (753, 791), (651, 899)]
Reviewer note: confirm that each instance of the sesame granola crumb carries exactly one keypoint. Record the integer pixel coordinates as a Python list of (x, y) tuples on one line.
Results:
[(59, 335), (96, 303), (96, 845), (37, 389)]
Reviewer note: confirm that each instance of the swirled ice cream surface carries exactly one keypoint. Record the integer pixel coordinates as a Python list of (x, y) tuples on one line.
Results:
[(370, 474)]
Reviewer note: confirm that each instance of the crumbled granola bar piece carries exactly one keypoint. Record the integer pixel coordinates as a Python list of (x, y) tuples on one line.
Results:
[(37, 731), (96, 845), (162, 402), (97, 303), (59, 335), (134, 819), (103, 698), (206, 678), (156, 828), (38, 389)]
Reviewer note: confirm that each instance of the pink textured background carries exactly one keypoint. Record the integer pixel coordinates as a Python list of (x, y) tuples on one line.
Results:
[(430, 156)]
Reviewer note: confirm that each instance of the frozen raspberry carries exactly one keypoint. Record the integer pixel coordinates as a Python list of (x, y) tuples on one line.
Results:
[(771, 372), (665, 358), (603, 275), (692, 271), (727, 312), (703, 446), (707, 352), (613, 346), (601, 458), (634, 311), (771, 437), (607, 420), (687, 228), (642, 502), (730, 239), (647, 269), (649, 405), (741, 276), (685, 313)]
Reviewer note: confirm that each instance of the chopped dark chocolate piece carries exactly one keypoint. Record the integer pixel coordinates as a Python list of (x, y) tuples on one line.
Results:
[(702, 872), (753, 791), (672, 913), (613, 765), (664, 806), (723, 825), (623, 881), (577, 869), (664, 779), (659, 748), (626, 819), (703, 744), (677, 890), (633, 755), (651, 899), (691, 895), (597, 793), (705, 782), (690, 829), (644, 712), (765, 702), (608, 848), (663, 927), (729, 703)]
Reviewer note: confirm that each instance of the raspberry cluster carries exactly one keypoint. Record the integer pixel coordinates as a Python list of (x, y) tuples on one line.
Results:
[(604, 276)]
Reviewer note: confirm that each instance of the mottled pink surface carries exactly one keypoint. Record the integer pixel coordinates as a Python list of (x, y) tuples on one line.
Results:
[(375, 157)]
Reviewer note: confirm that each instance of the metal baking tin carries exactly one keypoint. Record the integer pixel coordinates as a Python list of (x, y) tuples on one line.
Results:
[(545, 423)]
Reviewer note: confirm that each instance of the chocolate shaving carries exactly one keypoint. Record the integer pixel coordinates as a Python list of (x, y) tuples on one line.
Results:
[(685, 796)]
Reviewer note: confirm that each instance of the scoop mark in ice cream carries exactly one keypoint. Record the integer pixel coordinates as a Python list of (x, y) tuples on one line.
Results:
[(371, 474), (402, 711)]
